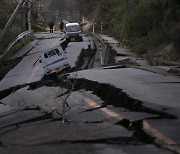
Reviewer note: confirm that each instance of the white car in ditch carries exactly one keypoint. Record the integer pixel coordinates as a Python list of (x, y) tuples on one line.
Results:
[(54, 60)]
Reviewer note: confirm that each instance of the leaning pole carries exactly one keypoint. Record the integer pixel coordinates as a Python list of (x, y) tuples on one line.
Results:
[(11, 19)]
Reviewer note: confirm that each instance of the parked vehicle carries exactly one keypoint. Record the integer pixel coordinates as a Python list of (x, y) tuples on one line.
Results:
[(54, 60), (73, 32)]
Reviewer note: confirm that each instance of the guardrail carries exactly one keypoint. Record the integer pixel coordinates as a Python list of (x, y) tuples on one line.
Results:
[(20, 36)]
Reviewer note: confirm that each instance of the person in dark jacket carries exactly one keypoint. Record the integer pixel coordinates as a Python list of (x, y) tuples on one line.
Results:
[(51, 26), (61, 26)]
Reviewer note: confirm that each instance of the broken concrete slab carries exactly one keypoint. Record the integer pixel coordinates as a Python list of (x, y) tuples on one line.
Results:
[(21, 117), (5, 108), (142, 85), (44, 97)]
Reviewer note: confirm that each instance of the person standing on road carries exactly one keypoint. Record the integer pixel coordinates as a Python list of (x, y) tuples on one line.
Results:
[(51, 26), (61, 26)]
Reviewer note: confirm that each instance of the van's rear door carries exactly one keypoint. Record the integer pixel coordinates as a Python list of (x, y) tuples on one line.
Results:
[(53, 56)]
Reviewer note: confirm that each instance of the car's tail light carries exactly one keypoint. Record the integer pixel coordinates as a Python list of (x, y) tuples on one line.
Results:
[(65, 65), (48, 72)]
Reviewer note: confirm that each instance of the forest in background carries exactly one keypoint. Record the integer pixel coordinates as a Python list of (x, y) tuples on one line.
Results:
[(151, 25)]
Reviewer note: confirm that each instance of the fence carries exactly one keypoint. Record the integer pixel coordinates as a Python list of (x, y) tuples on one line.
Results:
[(19, 37)]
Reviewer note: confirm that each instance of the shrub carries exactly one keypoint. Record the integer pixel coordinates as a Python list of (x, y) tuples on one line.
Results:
[(38, 28), (138, 45)]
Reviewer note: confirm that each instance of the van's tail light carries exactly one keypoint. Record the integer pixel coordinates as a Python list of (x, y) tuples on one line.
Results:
[(66, 65), (48, 72)]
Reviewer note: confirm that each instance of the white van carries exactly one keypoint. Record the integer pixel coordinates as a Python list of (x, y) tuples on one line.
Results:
[(73, 32), (54, 60)]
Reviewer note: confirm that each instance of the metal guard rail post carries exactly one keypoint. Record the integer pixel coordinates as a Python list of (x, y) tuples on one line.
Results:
[(20, 36)]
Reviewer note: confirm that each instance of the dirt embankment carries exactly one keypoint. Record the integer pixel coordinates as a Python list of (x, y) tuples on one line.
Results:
[(168, 55), (7, 66)]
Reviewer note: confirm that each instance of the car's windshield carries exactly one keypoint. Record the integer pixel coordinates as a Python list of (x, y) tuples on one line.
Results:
[(73, 28)]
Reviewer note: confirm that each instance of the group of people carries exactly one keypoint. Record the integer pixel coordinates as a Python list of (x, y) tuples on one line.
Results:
[(51, 26)]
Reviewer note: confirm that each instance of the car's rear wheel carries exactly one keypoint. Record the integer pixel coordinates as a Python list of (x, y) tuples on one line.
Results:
[(81, 39)]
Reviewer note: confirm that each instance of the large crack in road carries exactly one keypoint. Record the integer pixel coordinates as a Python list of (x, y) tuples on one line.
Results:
[(116, 97), (108, 93)]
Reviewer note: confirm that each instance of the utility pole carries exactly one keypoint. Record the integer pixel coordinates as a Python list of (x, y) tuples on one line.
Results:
[(101, 29), (11, 19), (93, 26), (122, 31), (128, 9), (29, 14)]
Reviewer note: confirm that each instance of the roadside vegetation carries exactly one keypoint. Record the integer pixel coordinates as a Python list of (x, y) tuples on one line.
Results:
[(151, 27), (38, 27), (6, 9), (18, 26)]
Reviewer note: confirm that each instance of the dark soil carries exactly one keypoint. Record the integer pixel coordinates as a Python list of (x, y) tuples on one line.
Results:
[(6, 66)]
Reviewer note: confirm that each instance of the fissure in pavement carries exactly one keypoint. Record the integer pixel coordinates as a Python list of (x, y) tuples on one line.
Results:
[(111, 96), (116, 97)]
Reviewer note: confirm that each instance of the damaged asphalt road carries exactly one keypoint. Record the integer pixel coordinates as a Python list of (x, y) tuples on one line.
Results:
[(122, 125), (92, 120), (118, 110)]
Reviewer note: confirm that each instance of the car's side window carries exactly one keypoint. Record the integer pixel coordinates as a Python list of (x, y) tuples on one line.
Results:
[(58, 52)]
